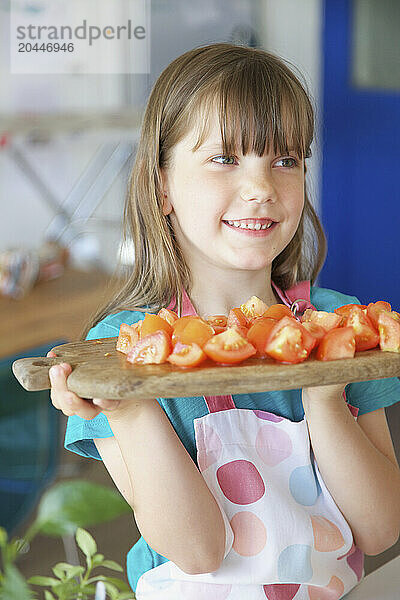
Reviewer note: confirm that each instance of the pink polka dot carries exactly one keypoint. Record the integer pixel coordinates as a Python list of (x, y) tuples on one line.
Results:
[(333, 591), (204, 591), (241, 482), (266, 416), (281, 591), (327, 536), (209, 448), (356, 562), (250, 533), (273, 445)]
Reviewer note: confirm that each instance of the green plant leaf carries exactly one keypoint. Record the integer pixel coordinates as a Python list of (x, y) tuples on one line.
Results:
[(68, 571), (48, 595), (110, 564), (126, 596), (76, 503), (3, 537), (14, 586), (86, 542), (112, 590), (41, 580), (119, 583), (97, 559)]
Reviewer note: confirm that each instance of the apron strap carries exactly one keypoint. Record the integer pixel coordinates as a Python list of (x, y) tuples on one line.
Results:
[(218, 403), (297, 297)]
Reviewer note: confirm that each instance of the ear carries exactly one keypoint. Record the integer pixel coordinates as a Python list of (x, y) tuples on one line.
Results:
[(167, 206)]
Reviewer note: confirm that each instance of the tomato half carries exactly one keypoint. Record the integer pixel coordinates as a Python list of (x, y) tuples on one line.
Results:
[(278, 311), (168, 315), (253, 307), (289, 342), (128, 336), (364, 332), (228, 347), (389, 332), (375, 308), (152, 323), (187, 355), (259, 332), (217, 322), (195, 331), (327, 320), (151, 349), (337, 343)]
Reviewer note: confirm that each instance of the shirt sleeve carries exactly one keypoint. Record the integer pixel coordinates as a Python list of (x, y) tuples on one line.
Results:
[(80, 432)]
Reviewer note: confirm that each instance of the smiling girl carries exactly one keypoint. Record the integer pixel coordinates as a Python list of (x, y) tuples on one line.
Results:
[(272, 495)]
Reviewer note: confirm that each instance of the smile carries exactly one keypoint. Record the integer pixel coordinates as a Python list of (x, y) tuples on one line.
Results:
[(257, 229)]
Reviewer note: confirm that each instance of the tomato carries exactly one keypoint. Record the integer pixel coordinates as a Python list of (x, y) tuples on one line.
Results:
[(253, 307), (327, 320), (228, 347), (389, 331), (168, 315), (259, 332), (187, 355), (337, 343), (237, 320), (152, 323), (278, 311), (128, 336), (344, 311), (195, 331), (151, 349), (374, 308), (179, 326), (217, 322), (314, 329), (365, 333), (289, 342)]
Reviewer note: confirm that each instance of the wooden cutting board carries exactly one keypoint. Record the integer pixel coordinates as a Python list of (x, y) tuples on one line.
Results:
[(100, 371)]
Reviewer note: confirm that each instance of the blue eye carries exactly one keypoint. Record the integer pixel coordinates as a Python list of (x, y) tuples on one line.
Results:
[(290, 162), (223, 157)]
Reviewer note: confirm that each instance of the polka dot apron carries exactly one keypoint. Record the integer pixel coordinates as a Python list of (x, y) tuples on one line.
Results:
[(286, 539)]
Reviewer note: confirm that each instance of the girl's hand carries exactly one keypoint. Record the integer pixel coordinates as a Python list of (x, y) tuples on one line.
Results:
[(71, 404)]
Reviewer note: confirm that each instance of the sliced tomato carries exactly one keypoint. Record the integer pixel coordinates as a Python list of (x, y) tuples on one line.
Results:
[(253, 307), (168, 315), (314, 329), (337, 343), (259, 332), (375, 308), (278, 311), (389, 331), (327, 320), (152, 323), (236, 317), (344, 311), (365, 333), (217, 322), (128, 336), (229, 347), (289, 342), (187, 355), (151, 349), (179, 325), (195, 331)]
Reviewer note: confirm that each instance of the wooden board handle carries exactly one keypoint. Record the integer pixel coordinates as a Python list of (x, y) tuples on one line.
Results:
[(33, 373)]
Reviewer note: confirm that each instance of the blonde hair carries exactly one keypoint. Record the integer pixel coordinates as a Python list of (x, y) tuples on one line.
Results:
[(258, 98)]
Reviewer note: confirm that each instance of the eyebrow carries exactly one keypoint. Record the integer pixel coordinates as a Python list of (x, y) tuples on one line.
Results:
[(210, 146)]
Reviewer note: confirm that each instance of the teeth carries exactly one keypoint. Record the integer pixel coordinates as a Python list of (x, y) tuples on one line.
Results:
[(254, 226)]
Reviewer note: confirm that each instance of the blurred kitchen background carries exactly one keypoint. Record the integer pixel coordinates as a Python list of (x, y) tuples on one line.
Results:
[(67, 143)]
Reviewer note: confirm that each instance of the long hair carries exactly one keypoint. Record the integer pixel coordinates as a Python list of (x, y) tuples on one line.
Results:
[(259, 99)]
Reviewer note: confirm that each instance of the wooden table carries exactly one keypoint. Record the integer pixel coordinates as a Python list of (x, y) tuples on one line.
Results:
[(52, 310)]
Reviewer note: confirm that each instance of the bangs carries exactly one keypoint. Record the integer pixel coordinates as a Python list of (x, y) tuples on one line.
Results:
[(259, 111)]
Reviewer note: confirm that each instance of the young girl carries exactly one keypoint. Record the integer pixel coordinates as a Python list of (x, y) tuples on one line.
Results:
[(273, 495)]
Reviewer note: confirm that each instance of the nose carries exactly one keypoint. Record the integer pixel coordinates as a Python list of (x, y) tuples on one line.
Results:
[(258, 187)]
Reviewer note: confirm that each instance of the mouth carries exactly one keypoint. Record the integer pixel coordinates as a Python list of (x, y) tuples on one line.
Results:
[(255, 227)]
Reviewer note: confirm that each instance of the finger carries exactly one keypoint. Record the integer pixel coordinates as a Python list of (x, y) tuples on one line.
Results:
[(58, 377), (51, 354)]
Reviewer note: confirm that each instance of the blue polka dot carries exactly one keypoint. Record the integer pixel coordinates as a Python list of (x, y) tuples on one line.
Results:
[(294, 564), (303, 485)]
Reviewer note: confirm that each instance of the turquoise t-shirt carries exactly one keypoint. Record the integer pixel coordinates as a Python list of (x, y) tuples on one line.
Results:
[(367, 396)]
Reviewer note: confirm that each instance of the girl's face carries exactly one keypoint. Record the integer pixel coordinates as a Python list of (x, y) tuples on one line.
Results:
[(206, 189)]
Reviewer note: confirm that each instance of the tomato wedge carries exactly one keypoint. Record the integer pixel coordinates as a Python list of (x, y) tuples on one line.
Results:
[(151, 349), (389, 332), (289, 342), (179, 326), (259, 332), (217, 322), (128, 336), (237, 320), (168, 315), (365, 333), (187, 355), (314, 329), (344, 311), (327, 320), (195, 331), (253, 307), (337, 343), (152, 323), (228, 347), (278, 311), (375, 308)]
